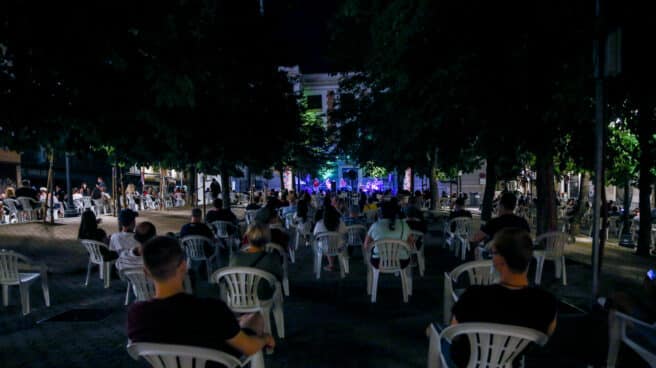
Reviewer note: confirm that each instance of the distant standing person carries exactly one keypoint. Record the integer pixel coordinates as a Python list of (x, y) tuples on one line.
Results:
[(215, 189)]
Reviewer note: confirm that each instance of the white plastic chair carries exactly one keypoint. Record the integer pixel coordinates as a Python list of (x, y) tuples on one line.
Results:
[(273, 247), (330, 244), (355, 236), (554, 250), (13, 216), (620, 324), (183, 356), (303, 233), (239, 291), (478, 273), (194, 247), (462, 232), (249, 216), (10, 275), (419, 253), (491, 345), (222, 231), (142, 287), (30, 207), (96, 257), (388, 252)]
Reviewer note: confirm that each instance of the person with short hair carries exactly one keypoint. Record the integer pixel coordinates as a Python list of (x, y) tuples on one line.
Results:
[(506, 219), (196, 226), (512, 301), (26, 190), (218, 213), (124, 240), (201, 322), (255, 255)]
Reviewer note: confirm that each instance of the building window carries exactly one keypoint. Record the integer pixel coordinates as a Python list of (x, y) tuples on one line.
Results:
[(315, 102)]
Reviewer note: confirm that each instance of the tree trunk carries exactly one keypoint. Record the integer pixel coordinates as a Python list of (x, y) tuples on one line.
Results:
[(125, 199), (584, 197), (434, 188), (400, 176), (644, 185), (626, 218), (225, 187), (546, 204), (412, 180), (51, 187), (282, 178), (490, 185), (603, 231)]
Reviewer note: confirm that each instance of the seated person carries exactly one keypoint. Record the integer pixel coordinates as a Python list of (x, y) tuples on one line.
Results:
[(218, 213), (354, 217), (89, 230), (256, 256), (415, 220), (133, 258), (389, 227), (511, 301), (196, 226), (254, 204), (506, 219), (124, 240), (201, 322), (459, 209), (330, 222)]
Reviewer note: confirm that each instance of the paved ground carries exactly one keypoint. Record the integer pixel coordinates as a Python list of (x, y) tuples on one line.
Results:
[(329, 322)]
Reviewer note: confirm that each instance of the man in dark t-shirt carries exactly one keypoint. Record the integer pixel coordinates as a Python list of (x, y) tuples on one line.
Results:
[(196, 226), (173, 317), (506, 219), (511, 301), (27, 191), (218, 213)]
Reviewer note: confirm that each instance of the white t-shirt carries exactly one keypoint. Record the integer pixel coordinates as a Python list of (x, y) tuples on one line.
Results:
[(120, 242), (127, 259), (380, 230), (77, 196)]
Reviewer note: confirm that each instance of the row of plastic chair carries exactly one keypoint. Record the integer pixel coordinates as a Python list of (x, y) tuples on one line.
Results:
[(11, 265)]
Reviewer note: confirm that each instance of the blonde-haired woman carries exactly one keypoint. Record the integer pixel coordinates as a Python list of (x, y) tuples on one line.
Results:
[(255, 255)]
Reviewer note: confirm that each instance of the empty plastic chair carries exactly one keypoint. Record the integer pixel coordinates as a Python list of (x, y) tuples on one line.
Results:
[(554, 250), (632, 332), (10, 275)]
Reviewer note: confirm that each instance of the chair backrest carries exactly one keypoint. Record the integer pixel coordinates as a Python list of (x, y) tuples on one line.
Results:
[(356, 234), (239, 286), (8, 266), (494, 345), (144, 288), (273, 247), (11, 205), (86, 201), (389, 251), (305, 228), (194, 246), (93, 247), (329, 243), (478, 273), (180, 356), (221, 228), (554, 243), (632, 332), (463, 226), (289, 220), (249, 215)]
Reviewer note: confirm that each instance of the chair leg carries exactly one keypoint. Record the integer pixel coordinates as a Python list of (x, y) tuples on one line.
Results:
[(127, 294), (404, 286), (108, 273), (374, 285), (209, 269), (422, 262), (285, 286), (538, 270), (257, 360), (292, 254), (564, 271), (408, 271), (86, 283), (369, 280), (279, 316), (266, 315), (5, 295), (25, 298), (46, 290), (317, 265)]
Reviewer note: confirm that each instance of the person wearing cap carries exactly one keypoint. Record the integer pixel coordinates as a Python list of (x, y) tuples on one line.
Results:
[(196, 226), (124, 240)]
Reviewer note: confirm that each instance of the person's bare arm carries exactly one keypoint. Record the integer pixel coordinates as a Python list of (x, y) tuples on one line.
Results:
[(250, 345), (367, 242), (552, 327), (478, 237)]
